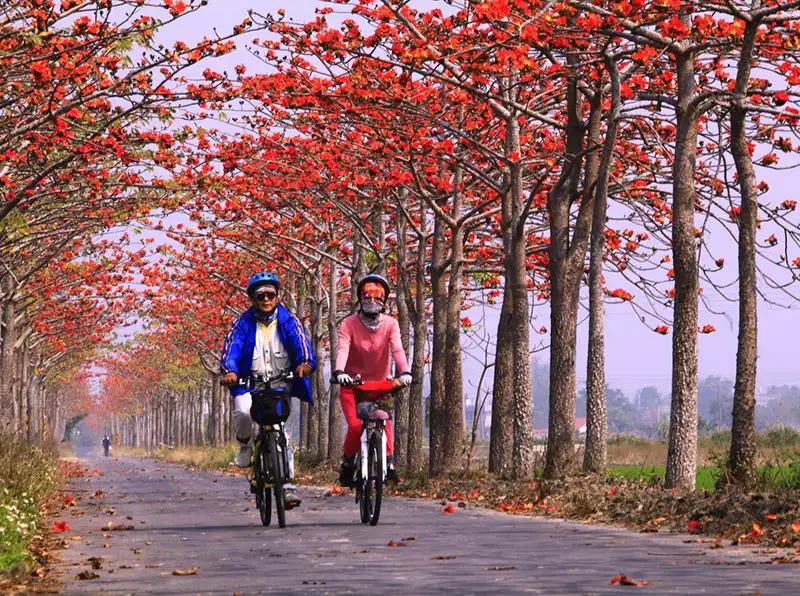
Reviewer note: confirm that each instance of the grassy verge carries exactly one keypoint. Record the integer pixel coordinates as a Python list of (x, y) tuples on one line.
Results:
[(707, 476), (206, 458), (28, 475), (773, 477)]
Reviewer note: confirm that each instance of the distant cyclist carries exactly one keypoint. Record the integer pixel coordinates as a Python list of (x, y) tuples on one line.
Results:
[(265, 340), (367, 340)]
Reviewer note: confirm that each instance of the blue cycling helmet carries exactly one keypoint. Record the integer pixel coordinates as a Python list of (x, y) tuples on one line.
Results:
[(262, 279)]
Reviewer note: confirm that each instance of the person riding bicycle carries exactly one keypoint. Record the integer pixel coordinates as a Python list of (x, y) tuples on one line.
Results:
[(106, 444), (266, 339), (366, 341)]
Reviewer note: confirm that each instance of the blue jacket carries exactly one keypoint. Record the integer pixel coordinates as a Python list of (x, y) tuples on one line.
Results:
[(240, 341)]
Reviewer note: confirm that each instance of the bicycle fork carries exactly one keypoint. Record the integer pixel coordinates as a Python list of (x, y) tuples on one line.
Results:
[(367, 432)]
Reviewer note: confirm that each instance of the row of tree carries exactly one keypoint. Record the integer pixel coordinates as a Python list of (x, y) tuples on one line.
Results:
[(86, 91), (491, 153)]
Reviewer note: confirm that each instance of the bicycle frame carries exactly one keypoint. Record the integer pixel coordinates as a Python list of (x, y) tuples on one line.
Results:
[(271, 466)]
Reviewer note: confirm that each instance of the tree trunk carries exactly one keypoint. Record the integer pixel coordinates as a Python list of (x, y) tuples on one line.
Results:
[(517, 270), (400, 420), (321, 398), (213, 414), (501, 438), (566, 268), (742, 460), (30, 401), (304, 412), (334, 408), (416, 459), (595, 454), (682, 452), (359, 270), (181, 406), (437, 463), (229, 420), (8, 406), (453, 402)]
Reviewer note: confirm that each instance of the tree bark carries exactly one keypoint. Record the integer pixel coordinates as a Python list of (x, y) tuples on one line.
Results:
[(682, 451), (501, 438), (453, 403), (401, 397), (566, 269), (8, 406), (30, 401), (321, 398), (334, 408), (516, 267), (595, 454), (437, 463), (742, 459), (213, 415), (416, 306)]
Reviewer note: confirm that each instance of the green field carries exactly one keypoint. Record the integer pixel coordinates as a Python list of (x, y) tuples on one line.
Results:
[(769, 476), (772, 476), (706, 476)]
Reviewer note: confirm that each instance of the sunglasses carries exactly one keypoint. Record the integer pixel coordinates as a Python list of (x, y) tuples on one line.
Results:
[(266, 296)]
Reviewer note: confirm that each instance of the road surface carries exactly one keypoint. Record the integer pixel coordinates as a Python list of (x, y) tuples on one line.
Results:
[(184, 519)]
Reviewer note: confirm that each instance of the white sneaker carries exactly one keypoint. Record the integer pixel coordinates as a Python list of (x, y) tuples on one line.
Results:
[(245, 455)]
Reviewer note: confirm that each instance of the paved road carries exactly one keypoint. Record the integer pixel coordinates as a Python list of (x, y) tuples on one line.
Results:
[(186, 519)]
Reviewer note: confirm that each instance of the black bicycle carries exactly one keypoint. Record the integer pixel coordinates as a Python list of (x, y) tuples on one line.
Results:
[(270, 410)]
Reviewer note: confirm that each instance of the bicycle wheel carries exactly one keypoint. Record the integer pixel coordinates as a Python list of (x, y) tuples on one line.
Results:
[(276, 471), (362, 495), (263, 495), (374, 478)]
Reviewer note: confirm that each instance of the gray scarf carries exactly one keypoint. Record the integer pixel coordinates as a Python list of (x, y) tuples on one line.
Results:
[(370, 322)]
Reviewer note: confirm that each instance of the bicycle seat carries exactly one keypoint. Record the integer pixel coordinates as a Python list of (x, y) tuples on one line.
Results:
[(368, 410)]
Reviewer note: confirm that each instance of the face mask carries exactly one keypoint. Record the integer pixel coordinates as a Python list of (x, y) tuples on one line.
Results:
[(371, 308)]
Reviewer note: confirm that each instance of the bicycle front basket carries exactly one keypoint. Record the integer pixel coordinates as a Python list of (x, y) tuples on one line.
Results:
[(270, 408)]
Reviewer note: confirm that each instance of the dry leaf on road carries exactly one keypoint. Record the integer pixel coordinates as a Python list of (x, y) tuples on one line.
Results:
[(191, 571), (624, 580)]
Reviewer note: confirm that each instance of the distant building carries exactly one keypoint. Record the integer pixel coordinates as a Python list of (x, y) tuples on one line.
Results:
[(540, 434)]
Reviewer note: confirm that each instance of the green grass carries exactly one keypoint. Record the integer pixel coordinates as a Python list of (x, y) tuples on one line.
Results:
[(28, 474), (707, 476), (200, 456)]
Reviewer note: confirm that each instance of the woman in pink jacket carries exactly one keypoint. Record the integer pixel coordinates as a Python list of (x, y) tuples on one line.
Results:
[(366, 341)]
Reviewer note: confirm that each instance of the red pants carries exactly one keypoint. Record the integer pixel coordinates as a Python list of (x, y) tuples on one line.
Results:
[(352, 441)]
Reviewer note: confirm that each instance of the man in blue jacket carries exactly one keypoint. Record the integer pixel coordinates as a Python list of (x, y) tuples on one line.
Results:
[(265, 340)]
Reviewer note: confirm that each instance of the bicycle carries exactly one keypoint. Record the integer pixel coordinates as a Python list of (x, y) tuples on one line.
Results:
[(270, 410), (370, 465)]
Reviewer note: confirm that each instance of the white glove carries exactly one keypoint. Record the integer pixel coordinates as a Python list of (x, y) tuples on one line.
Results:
[(405, 379), (344, 379)]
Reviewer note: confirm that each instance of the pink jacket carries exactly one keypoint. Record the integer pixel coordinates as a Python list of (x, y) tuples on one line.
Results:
[(366, 353)]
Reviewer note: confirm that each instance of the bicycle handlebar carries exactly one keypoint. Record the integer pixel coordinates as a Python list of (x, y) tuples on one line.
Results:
[(253, 380), (360, 383)]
